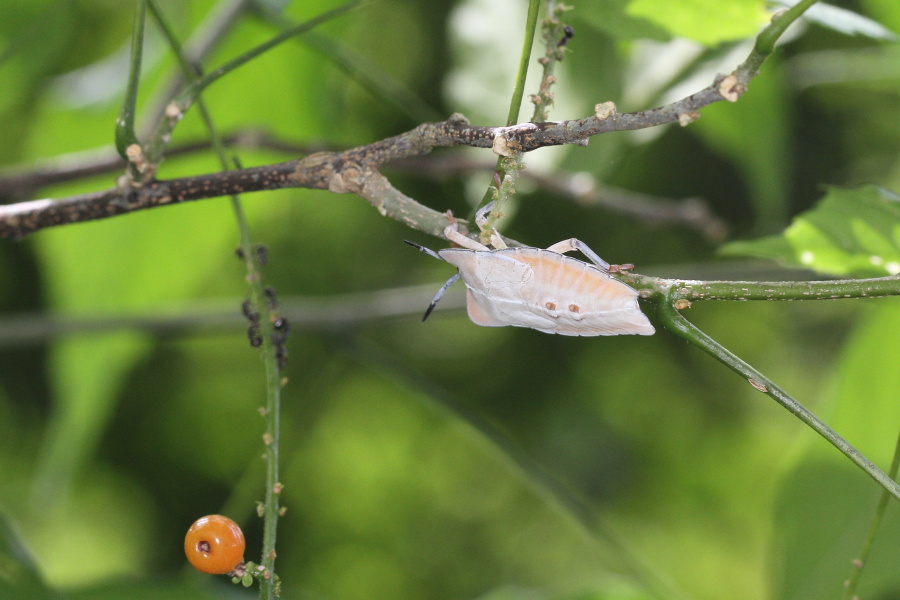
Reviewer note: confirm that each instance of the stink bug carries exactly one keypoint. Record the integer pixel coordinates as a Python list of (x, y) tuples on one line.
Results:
[(540, 289)]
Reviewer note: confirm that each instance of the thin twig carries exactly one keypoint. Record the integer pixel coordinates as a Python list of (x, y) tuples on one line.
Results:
[(182, 102), (269, 584), (350, 171), (125, 134), (668, 305), (209, 33), (327, 170), (693, 291), (332, 313), (359, 68), (581, 188), (556, 36), (515, 102), (496, 192), (859, 563)]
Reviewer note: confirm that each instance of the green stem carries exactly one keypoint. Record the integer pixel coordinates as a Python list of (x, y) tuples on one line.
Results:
[(125, 135), (360, 69), (515, 103), (268, 582), (677, 324), (860, 563), (509, 166), (269, 587), (554, 30), (772, 290), (524, 58), (765, 41), (184, 100)]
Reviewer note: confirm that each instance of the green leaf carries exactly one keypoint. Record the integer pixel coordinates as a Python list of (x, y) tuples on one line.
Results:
[(844, 21), (612, 18), (706, 21), (774, 247), (866, 384), (851, 232)]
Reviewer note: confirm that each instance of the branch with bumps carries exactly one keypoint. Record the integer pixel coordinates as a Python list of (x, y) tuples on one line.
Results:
[(357, 170)]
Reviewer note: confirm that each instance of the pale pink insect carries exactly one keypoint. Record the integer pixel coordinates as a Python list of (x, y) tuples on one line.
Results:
[(540, 289)]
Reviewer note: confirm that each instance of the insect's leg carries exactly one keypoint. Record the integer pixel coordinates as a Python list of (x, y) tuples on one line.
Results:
[(481, 220), (427, 251), (451, 232), (481, 214), (440, 294), (576, 244)]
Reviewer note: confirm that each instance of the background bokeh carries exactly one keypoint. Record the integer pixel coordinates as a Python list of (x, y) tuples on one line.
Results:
[(441, 460)]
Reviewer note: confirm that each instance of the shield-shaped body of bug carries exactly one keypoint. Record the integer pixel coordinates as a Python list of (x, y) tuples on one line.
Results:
[(540, 289), (547, 291)]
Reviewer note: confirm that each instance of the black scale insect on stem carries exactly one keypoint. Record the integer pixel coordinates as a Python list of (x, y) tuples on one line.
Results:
[(262, 255), (271, 299)]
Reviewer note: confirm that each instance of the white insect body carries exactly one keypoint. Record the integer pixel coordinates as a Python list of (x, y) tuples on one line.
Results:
[(540, 289), (544, 290)]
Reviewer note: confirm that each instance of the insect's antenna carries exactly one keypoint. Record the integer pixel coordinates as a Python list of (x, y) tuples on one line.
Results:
[(427, 251), (449, 282), (440, 292)]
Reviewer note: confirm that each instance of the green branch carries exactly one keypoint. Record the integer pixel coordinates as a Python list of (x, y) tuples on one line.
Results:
[(524, 57), (494, 192), (860, 562), (831, 289), (125, 135), (677, 324), (556, 35), (184, 100), (765, 41), (268, 579)]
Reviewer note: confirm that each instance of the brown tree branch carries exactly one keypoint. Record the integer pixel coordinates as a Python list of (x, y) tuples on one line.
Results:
[(352, 170), (356, 170), (22, 181), (693, 213)]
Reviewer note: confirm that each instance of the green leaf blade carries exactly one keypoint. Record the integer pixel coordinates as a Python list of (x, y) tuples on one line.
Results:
[(851, 232), (709, 22)]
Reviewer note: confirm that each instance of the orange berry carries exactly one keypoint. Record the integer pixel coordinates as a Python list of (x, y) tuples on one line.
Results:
[(214, 544)]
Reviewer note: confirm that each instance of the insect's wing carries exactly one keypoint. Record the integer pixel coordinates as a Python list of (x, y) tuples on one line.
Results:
[(547, 291), (612, 307), (480, 310), (627, 319), (501, 275), (580, 298), (488, 311), (496, 283)]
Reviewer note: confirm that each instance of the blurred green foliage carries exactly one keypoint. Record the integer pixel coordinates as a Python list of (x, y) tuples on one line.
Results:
[(443, 460), (851, 232)]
